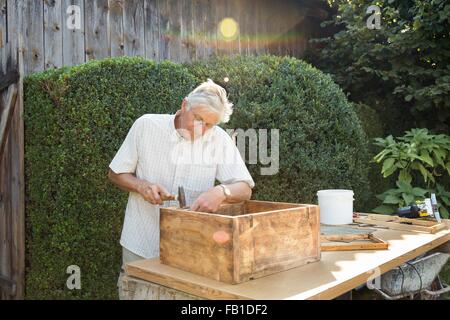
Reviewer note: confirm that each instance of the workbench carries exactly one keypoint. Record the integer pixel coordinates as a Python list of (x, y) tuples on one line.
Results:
[(335, 274)]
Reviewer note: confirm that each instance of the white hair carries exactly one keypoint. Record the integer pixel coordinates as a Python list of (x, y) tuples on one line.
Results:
[(212, 95)]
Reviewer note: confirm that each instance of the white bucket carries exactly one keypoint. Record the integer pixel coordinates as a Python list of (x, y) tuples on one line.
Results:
[(336, 206)]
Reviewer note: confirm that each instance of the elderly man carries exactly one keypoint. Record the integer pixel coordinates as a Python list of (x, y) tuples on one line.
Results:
[(157, 157)]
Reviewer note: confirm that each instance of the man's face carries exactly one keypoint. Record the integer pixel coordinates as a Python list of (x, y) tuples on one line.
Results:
[(198, 119)]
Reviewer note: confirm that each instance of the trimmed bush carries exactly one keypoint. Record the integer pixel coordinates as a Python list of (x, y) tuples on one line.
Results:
[(322, 144), (76, 119)]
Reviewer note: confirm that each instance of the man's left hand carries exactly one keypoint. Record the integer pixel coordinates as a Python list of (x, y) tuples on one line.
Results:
[(209, 201)]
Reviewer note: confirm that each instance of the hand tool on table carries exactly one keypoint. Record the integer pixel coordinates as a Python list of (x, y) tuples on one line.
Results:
[(180, 197), (421, 209)]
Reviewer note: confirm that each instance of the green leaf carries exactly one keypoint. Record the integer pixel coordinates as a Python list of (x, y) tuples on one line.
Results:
[(419, 192), (391, 199), (425, 157), (409, 97), (388, 167), (409, 199), (405, 176), (424, 172)]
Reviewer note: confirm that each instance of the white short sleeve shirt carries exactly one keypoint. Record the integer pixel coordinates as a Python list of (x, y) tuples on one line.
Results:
[(153, 150)]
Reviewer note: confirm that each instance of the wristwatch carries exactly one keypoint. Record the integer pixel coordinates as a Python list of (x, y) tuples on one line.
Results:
[(226, 191)]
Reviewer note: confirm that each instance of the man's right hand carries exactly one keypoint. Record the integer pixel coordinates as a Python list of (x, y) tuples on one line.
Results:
[(152, 192)]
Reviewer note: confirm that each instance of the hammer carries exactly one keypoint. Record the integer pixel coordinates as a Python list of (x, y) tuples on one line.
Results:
[(181, 197)]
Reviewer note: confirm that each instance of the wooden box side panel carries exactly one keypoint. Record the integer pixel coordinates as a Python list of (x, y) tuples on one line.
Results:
[(198, 243), (277, 241), (255, 206)]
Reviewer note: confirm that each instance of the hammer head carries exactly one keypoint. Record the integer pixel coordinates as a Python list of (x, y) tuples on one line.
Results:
[(181, 197)]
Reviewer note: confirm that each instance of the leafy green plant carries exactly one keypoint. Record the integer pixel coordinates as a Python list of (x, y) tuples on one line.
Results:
[(419, 158), (400, 69)]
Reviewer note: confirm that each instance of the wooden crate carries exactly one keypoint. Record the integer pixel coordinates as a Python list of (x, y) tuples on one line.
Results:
[(242, 241)]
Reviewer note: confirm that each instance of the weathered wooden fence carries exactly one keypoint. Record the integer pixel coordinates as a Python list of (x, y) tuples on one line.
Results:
[(70, 32), (12, 195)]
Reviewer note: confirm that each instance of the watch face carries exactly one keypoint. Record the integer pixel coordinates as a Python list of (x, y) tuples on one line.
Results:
[(226, 190)]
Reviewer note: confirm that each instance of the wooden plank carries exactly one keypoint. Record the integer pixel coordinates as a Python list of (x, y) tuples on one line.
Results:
[(5, 220), (33, 34), (18, 190), (53, 38), (209, 23), (173, 12), (6, 117), (3, 31), (387, 218), (398, 223), (116, 24), (356, 242), (335, 274), (133, 21), (96, 29), (4, 249), (151, 19), (187, 51), (198, 13), (164, 29), (284, 239), (73, 38), (15, 16)]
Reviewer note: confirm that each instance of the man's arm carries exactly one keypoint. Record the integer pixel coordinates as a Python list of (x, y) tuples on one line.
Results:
[(151, 192), (211, 200)]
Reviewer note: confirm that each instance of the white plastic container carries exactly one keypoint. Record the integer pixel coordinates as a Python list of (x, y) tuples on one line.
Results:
[(336, 206)]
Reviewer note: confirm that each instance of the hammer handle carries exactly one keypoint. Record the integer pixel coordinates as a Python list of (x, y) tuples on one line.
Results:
[(170, 197)]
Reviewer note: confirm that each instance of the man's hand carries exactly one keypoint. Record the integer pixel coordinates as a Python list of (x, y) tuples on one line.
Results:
[(209, 201), (151, 192)]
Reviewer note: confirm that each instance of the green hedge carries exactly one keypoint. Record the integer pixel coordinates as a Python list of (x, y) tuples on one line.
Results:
[(76, 118)]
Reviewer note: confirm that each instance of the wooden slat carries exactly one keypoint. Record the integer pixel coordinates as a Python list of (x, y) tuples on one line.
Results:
[(33, 33), (73, 39), (186, 37), (133, 19), (151, 20), (15, 14), (96, 29), (116, 25), (5, 220), (6, 117), (164, 29), (53, 37), (398, 223), (18, 191), (174, 11), (3, 31), (356, 242), (198, 16)]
